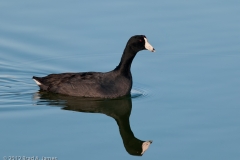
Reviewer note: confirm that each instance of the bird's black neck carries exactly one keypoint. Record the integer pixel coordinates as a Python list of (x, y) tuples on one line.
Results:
[(126, 61), (131, 143), (125, 129)]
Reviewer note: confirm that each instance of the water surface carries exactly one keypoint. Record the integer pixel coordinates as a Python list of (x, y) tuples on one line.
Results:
[(185, 96)]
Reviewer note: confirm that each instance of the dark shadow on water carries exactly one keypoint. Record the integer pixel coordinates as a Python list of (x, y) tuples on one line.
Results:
[(119, 109)]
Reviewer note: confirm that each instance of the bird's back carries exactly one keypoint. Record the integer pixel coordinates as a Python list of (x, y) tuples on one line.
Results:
[(86, 84)]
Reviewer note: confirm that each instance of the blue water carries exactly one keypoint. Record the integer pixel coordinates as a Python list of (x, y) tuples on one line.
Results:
[(185, 96)]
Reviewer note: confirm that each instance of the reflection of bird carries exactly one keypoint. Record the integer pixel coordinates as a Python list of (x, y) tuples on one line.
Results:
[(116, 83), (119, 109)]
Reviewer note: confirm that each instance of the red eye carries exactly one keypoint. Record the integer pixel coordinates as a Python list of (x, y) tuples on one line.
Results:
[(140, 40)]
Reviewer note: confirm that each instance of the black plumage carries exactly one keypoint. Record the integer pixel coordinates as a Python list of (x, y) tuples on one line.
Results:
[(113, 84)]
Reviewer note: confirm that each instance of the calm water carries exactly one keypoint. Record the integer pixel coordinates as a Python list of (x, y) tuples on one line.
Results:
[(185, 96)]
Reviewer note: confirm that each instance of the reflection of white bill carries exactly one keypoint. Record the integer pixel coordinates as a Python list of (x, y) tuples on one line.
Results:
[(145, 146)]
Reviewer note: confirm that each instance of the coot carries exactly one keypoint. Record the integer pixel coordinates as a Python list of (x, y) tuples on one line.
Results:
[(113, 84)]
